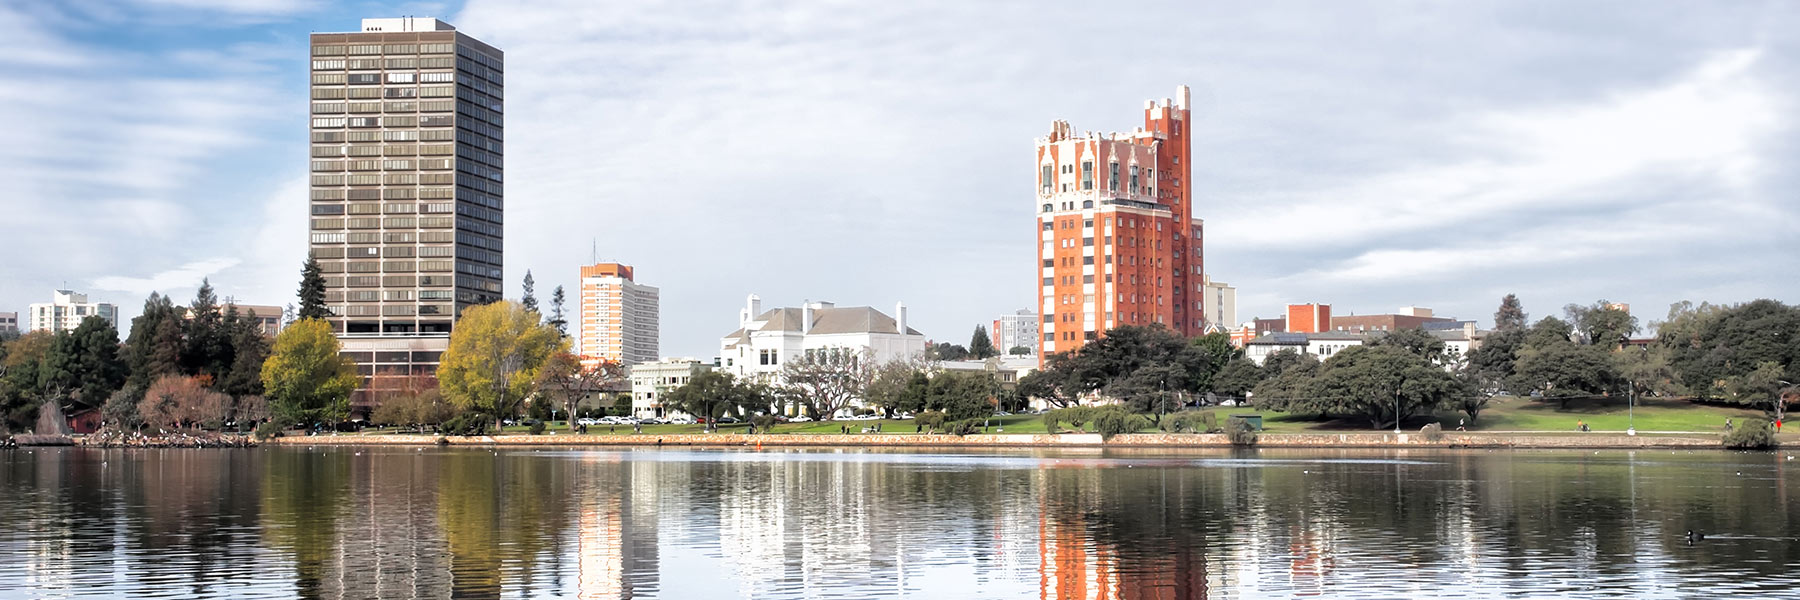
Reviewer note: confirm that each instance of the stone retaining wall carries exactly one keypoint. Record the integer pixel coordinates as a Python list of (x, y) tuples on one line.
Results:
[(1160, 440)]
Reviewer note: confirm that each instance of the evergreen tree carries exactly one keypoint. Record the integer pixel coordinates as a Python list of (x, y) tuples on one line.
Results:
[(84, 365), (312, 291), (249, 349), (1511, 316), (153, 351), (529, 299), (208, 349), (557, 319), (980, 346)]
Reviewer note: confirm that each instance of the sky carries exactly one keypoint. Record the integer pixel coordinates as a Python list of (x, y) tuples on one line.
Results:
[(1368, 155)]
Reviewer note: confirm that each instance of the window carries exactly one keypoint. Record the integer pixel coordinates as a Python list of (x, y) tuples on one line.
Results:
[(1045, 179), (399, 77), (1087, 175), (1112, 179), (1134, 179)]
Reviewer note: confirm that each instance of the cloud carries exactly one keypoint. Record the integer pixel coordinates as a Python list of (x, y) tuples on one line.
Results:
[(185, 276), (240, 7)]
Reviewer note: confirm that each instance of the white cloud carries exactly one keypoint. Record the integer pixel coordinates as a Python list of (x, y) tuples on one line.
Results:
[(185, 276)]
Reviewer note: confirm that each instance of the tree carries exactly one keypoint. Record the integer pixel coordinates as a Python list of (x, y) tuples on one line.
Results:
[(564, 379), (962, 394), (1288, 384), (1019, 351), (1415, 340), (1603, 324), (1099, 365), (1148, 389), (250, 349), (1645, 371), (1563, 372), (827, 380), (528, 296), (312, 291), (946, 351), (980, 347), (208, 343), (1491, 365), (495, 353), (557, 319), (709, 394), (1237, 378), (1549, 331), (415, 402), (85, 363), (1511, 316), (1050, 384), (178, 402), (20, 393), (155, 346), (305, 378), (899, 386), (1714, 349), (1384, 384)]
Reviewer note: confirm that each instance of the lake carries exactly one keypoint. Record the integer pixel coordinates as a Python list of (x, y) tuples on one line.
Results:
[(381, 522)]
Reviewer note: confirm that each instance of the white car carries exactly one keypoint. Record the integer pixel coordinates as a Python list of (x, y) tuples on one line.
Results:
[(681, 421), (588, 421), (800, 419)]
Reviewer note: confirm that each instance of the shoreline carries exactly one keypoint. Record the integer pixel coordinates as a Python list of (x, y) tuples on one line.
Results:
[(1064, 440)]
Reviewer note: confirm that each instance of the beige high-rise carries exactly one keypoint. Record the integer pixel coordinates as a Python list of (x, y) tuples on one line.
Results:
[(407, 192), (619, 317)]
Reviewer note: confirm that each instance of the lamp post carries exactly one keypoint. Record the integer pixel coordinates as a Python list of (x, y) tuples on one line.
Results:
[(1396, 411), (1631, 409)]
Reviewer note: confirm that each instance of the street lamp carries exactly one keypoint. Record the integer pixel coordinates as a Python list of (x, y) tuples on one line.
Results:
[(1396, 411)]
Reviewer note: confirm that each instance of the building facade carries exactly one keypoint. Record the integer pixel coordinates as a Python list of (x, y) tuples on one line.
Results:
[(9, 323), (1219, 307), (620, 319), (765, 340), (66, 310), (1408, 317), (651, 381), (1119, 243), (407, 187), (1308, 318), (1015, 330), (267, 318)]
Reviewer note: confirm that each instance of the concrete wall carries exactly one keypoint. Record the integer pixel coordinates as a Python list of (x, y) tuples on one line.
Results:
[(1160, 440)]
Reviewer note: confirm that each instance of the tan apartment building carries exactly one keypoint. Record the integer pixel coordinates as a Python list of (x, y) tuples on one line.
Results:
[(619, 318)]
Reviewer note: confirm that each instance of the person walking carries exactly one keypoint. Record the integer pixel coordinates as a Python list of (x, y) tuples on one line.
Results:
[(1459, 425)]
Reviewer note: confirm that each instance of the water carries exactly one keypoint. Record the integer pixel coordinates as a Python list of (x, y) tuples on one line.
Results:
[(592, 524)]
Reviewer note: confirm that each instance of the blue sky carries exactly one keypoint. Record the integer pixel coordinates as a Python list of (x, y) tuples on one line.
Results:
[(1367, 155)]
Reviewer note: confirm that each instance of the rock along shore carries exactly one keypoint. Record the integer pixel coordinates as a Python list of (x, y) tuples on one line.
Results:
[(1065, 440)]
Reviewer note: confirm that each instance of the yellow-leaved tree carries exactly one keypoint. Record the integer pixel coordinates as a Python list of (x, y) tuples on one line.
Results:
[(495, 353), (305, 378)]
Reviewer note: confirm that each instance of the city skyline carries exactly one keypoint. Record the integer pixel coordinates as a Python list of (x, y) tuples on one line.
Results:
[(1363, 159)]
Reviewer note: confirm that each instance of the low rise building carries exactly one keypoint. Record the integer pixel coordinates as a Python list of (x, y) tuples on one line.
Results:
[(1408, 317), (652, 381), (9, 323), (765, 340), (66, 310)]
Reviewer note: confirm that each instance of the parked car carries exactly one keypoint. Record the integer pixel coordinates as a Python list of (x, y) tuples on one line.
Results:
[(587, 421), (681, 421), (650, 421), (800, 419)]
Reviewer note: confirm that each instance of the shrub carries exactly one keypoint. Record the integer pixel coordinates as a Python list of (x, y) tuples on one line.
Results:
[(537, 427), (269, 430), (1240, 432), (1115, 420), (1192, 421), (762, 423), (466, 424), (931, 420), (963, 427), (1752, 434), (1076, 416)]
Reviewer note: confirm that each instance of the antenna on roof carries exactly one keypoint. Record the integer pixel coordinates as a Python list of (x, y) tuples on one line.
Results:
[(594, 253)]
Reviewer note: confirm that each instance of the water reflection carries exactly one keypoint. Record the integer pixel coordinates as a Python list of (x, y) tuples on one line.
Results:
[(615, 524)]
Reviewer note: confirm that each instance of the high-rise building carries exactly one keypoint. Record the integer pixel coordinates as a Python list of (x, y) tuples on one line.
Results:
[(1015, 330), (1220, 304), (406, 185), (66, 310), (9, 323), (1118, 240), (620, 319)]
